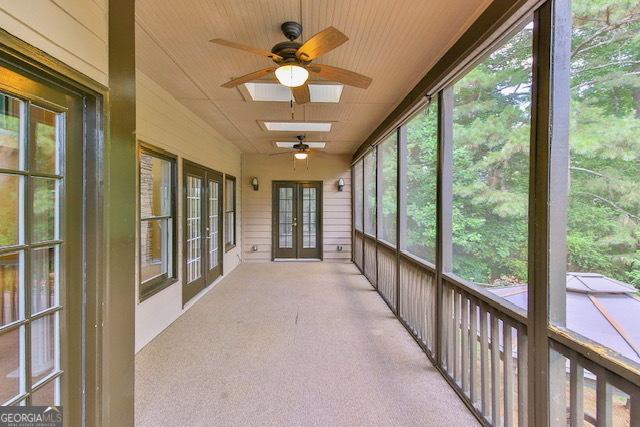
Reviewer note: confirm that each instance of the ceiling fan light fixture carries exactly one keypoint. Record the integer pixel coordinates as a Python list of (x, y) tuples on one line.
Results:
[(292, 75), (300, 156)]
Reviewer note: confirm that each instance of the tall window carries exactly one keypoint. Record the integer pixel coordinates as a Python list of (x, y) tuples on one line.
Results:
[(357, 194), (491, 133), (419, 206), (603, 221), (157, 221), (230, 212), (388, 188), (370, 193)]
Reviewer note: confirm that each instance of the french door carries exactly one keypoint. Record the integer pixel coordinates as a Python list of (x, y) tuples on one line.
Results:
[(202, 228), (297, 219), (41, 257)]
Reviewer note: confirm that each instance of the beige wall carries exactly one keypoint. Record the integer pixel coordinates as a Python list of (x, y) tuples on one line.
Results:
[(73, 31), (165, 123), (256, 217)]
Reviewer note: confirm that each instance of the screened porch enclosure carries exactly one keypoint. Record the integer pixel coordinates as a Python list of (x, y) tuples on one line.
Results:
[(488, 218)]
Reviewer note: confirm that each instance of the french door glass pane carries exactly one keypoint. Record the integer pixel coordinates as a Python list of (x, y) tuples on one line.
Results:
[(10, 132), (230, 226), (194, 228), (10, 209), (155, 186), (44, 124), (286, 218), (10, 368), (43, 347), (45, 210), (36, 343), (420, 184), (11, 265), (491, 134), (309, 218), (154, 248), (47, 395), (44, 278), (214, 204)]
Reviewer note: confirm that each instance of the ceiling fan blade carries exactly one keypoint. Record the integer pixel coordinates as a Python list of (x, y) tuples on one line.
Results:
[(280, 154), (321, 43), (255, 51), (322, 154), (341, 75), (301, 94), (248, 77)]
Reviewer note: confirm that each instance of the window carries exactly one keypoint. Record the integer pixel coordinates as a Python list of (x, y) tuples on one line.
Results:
[(491, 133), (157, 221), (599, 298), (230, 212), (388, 188), (420, 176), (370, 193), (357, 194)]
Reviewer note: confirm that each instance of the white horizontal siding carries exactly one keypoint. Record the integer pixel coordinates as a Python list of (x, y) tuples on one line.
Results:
[(72, 31), (336, 209), (165, 123)]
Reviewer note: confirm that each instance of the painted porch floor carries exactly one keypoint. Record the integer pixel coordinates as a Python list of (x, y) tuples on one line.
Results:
[(291, 344)]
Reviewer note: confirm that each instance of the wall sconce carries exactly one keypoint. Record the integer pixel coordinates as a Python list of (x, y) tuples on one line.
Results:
[(340, 184), (254, 183)]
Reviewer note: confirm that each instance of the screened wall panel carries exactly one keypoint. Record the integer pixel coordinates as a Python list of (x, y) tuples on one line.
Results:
[(491, 133), (387, 177), (370, 193), (418, 207), (358, 188)]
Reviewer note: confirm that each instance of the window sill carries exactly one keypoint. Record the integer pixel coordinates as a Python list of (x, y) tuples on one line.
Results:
[(149, 289), (228, 247)]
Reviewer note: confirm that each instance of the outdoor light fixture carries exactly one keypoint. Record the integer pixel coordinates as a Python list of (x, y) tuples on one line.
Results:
[(300, 156), (340, 184), (254, 183), (292, 75)]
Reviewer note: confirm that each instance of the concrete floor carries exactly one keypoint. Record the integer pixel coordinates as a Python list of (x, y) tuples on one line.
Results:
[(291, 344)]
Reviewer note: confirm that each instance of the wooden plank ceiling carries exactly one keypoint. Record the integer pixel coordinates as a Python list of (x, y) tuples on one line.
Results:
[(393, 41)]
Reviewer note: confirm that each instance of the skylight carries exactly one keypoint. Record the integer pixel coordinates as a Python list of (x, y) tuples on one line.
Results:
[(290, 144), (298, 126), (276, 92)]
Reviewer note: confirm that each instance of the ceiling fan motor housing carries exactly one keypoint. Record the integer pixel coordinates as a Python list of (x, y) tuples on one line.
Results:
[(292, 30), (287, 50)]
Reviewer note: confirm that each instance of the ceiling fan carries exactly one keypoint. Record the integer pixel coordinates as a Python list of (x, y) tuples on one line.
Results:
[(301, 149), (294, 61)]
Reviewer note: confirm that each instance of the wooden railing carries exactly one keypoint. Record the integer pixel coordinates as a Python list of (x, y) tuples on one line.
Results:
[(484, 354), (358, 242), (479, 343), (387, 274), (370, 259), (586, 393), (418, 301)]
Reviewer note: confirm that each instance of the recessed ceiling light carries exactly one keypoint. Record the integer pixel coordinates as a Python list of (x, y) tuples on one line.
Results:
[(298, 126), (264, 91), (290, 144)]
